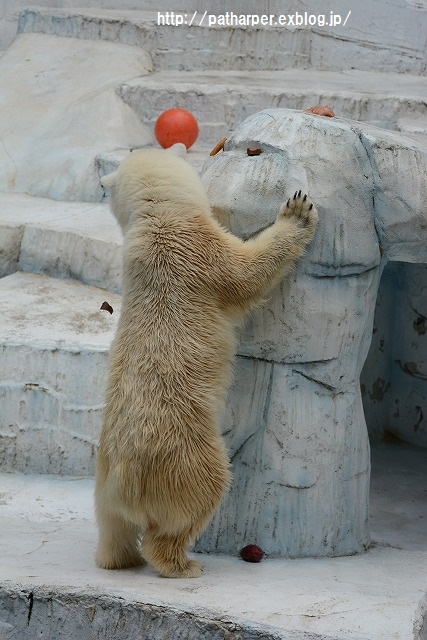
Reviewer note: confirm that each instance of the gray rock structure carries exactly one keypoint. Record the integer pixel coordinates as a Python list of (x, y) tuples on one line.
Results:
[(294, 421), (394, 377)]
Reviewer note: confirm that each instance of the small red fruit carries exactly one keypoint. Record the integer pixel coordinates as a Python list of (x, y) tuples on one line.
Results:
[(176, 125), (252, 553)]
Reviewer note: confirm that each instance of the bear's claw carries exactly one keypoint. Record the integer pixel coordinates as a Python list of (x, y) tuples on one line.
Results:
[(300, 208)]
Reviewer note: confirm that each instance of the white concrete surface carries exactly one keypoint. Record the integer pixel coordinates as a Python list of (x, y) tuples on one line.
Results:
[(60, 239), (54, 343), (388, 35), (222, 99), (10, 10), (58, 141), (48, 537), (109, 161), (76, 240), (59, 109)]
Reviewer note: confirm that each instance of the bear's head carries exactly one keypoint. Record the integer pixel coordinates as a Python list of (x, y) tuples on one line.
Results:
[(153, 177)]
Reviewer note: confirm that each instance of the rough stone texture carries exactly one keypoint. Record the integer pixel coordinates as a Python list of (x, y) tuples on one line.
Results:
[(11, 9), (394, 378), (294, 421), (59, 109), (10, 248), (70, 240), (388, 35), (272, 48), (79, 616), (54, 349), (223, 99)]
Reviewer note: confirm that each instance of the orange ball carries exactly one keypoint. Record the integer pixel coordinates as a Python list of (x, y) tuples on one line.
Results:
[(176, 125)]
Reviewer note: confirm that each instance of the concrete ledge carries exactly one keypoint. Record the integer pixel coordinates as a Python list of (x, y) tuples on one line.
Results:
[(374, 37), (213, 48), (108, 162), (70, 240), (54, 343), (71, 91), (221, 100), (83, 615), (50, 584)]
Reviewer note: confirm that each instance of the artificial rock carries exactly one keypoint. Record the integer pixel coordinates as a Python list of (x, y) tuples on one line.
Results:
[(294, 421)]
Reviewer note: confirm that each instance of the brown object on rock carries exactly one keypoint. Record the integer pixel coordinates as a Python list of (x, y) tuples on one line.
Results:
[(321, 111), (252, 553), (253, 151), (105, 306), (217, 148)]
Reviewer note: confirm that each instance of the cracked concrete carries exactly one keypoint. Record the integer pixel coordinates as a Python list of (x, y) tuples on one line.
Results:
[(376, 32), (48, 538), (55, 342)]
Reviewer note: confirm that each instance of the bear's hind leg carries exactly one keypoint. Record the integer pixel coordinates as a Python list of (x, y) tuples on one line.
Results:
[(167, 553), (118, 542)]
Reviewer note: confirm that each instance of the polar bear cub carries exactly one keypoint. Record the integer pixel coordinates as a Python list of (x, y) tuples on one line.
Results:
[(162, 465)]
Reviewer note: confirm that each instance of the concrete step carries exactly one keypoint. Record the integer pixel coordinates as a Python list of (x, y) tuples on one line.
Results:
[(50, 586), (413, 127), (69, 240), (54, 343), (109, 161), (9, 12), (221, 100), (68, 165), (181, 47), (377, 39), (71, 113)]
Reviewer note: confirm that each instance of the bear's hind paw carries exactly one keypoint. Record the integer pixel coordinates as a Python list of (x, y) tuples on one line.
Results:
[(117, 560), (191, 569)]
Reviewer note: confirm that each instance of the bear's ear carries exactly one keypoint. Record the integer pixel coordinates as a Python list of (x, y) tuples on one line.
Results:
[(178, 149), (109, 180)]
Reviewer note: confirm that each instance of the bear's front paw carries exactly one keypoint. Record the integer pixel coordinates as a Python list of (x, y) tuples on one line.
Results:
[(301, 209)]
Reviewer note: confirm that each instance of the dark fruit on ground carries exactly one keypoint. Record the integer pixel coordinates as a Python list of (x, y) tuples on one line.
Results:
[(252, 553)]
